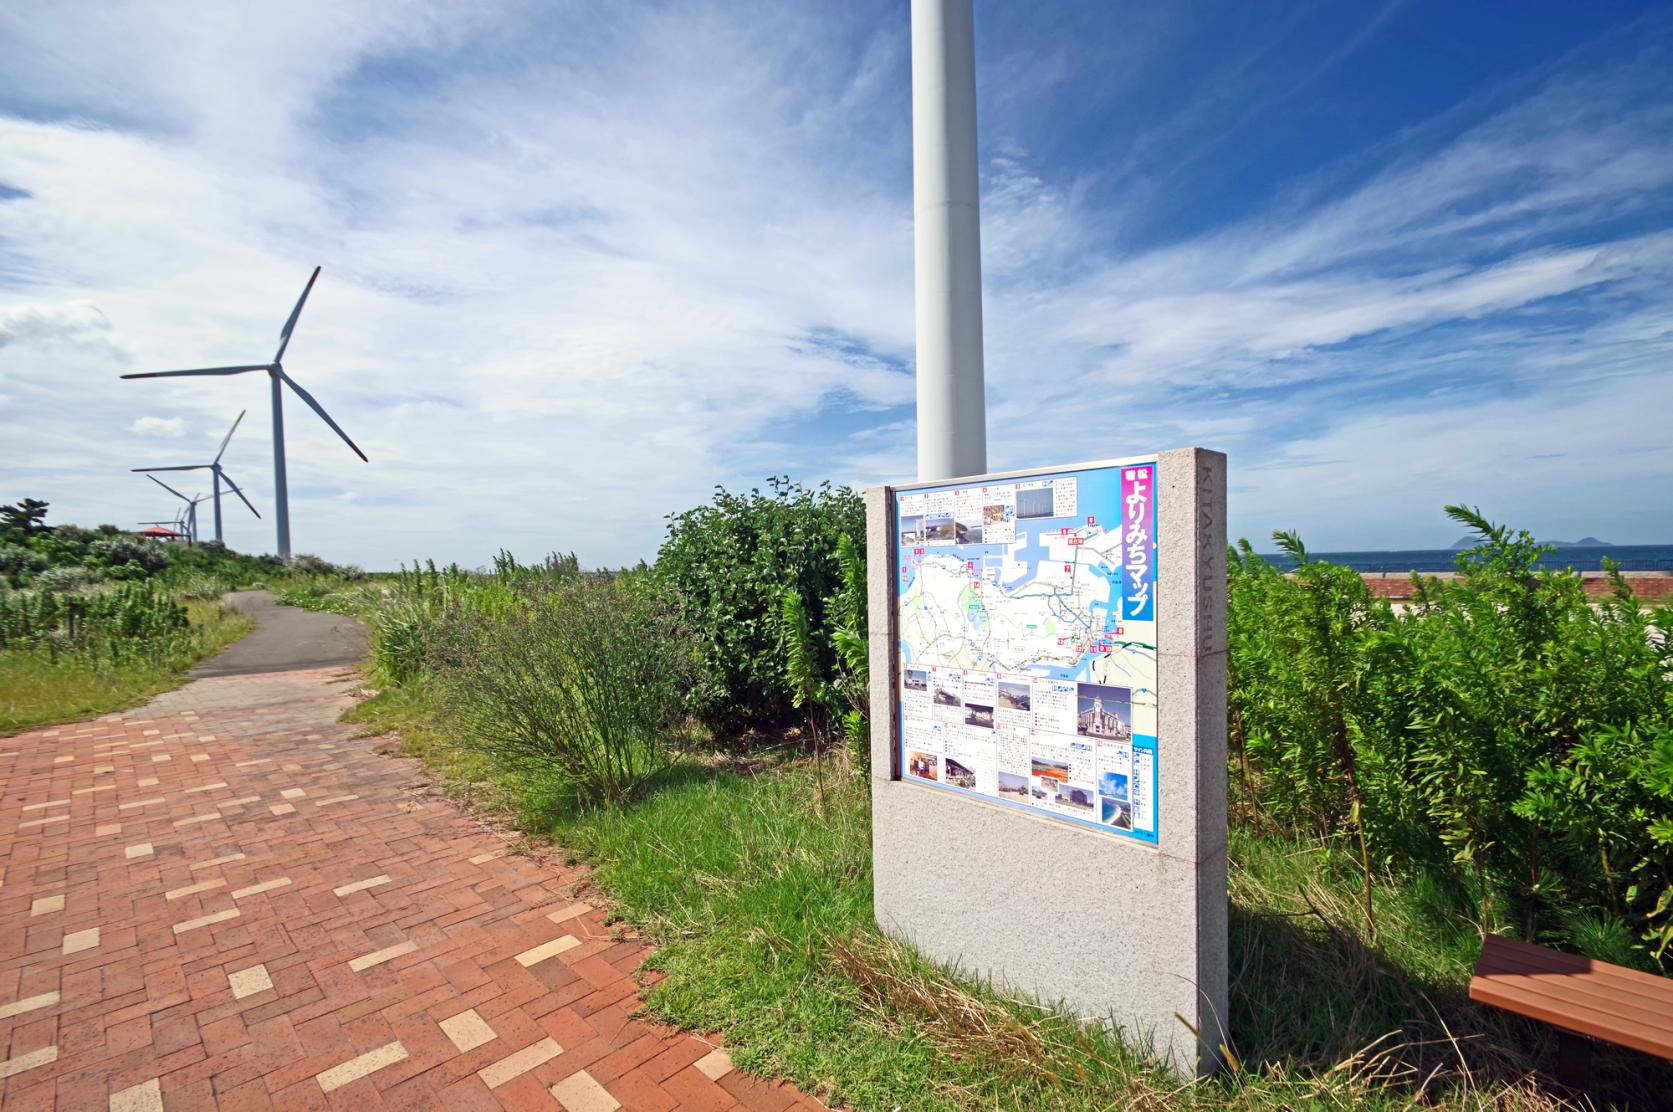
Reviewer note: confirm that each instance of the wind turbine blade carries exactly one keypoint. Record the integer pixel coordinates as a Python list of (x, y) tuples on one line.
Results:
[(227, 439), (168, 488), (202, 371), (227, 479), (290, 325), (182, 467), (324, 416)]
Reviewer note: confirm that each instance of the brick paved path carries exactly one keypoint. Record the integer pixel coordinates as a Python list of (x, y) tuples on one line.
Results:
[(221, 900)]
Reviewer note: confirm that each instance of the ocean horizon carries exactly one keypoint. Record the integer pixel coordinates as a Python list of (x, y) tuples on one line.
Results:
[(1630, 557)]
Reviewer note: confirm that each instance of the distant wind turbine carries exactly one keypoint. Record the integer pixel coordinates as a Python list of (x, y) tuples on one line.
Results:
[(276, 375), (216, 473), (190, 512)]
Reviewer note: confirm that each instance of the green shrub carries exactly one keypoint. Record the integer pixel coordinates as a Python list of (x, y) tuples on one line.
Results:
[(730, 563), (584, 687), (117, 552), (18, 563), (1504, 735), (66, 577)]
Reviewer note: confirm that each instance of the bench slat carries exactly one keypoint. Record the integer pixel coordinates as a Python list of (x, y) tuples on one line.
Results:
[(1588, 1004), (1547, 1010), (1577, 994), (1584, 974)]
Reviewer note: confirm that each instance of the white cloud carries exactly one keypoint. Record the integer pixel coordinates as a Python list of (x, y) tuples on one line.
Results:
[(164, 428)]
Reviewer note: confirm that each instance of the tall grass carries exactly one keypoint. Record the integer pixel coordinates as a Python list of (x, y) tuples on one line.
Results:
[(587, 683)]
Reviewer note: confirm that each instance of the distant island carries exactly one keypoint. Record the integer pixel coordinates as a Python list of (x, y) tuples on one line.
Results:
[(1583, 542)]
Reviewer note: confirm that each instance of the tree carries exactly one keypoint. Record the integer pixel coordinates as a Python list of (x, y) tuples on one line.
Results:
[(24, 519)]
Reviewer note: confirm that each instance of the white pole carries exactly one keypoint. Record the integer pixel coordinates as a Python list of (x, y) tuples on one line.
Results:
[(952, 409)]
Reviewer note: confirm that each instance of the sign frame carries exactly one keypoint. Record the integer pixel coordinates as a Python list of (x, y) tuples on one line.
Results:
[(1106, 927)]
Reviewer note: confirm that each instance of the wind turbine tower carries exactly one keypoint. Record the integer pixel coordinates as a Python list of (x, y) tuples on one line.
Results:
[(277, 379)]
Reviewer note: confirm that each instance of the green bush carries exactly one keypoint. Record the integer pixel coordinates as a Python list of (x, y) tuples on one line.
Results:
[(730, 563), (1504, 736), (584, 687), (116, 552), (66, 577), (19, 563)]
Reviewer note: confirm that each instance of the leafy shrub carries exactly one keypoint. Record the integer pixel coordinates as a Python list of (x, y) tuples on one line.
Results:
[(730, 563), (118, 552), (586, 685), (18, 564), (66, 577), (841, 695), (1503, 735)]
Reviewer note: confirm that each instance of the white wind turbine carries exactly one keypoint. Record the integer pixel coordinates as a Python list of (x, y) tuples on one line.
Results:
[(217, 475), (277, 378)]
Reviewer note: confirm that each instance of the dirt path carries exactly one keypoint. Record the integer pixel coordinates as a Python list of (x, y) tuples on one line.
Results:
[(222, 899)]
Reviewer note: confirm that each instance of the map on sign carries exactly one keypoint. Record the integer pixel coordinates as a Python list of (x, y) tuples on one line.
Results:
[(1026, 610)]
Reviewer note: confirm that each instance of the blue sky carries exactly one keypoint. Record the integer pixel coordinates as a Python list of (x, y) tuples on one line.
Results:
[(584, 261)]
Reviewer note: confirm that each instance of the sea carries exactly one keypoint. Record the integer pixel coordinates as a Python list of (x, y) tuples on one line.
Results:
[(1630, 557)]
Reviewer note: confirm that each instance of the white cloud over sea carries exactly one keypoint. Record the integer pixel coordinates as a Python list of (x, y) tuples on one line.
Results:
[(582, 262)]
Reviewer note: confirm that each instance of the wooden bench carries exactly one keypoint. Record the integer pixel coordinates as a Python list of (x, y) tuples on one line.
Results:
[(1582, 998)]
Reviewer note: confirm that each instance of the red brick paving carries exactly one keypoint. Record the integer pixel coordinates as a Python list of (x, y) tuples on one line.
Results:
[(193, 870)]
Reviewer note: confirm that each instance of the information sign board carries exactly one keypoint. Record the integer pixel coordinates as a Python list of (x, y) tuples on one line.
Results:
[(1026, 618)]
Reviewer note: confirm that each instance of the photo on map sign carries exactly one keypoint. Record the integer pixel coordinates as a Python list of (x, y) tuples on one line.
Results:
[(938, 527), (1045, 789), (911, 530), (947, 697), (1014, 696), (1113, 784), (1117, 813), (1104, 711), (922, 765), (996, 515), (1013, 786), (1049, 770), (916, 679), (975, 714), (968, 531), (1078, 798), (1034, 502), (959, 776)]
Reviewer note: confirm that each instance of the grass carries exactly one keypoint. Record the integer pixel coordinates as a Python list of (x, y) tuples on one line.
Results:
[(38, 690), (759, 903)]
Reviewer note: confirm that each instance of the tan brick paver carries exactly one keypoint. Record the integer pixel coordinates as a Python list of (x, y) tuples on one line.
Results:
[(226, 959)]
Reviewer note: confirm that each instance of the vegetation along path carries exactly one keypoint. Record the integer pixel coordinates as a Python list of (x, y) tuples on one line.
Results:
[(224, 899)]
